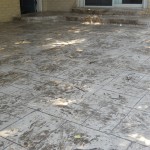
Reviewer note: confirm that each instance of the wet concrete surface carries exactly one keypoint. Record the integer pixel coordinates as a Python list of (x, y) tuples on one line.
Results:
[(71, 86)]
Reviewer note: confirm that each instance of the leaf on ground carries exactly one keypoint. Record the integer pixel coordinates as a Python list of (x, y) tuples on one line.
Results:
[(77, 136)]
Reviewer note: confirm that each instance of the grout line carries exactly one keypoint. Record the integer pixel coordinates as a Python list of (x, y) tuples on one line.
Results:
[(121, 120), (87, 119), (116, 93), (121, 93), (7, 145), (84, 100), (129, 145), (54, 130), (102, 87), (10, 114), (12, 143), (17, 121), (128, 113), (145, 61)]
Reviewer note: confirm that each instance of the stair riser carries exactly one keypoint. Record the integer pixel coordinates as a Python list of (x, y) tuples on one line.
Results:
[(47, 18), (96, 12), (110, 12), (101, 20)]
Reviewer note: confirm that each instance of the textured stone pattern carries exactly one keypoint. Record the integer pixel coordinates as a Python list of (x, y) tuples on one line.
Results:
[(9, 9), (72, 86)]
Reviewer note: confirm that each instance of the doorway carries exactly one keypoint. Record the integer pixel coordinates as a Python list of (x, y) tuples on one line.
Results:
[(28, 6)]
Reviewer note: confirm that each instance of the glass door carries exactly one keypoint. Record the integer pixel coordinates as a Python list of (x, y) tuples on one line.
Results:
[(98, 2), (131, 1), (128, 3), (114, 3), (117, 2)]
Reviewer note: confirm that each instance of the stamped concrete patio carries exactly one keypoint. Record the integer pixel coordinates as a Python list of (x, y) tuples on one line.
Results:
[(69, 86)]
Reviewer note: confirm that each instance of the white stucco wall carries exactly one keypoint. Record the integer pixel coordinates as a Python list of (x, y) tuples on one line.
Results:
[(67, 5)]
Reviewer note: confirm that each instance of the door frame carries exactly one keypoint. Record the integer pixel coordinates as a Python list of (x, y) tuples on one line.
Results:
[(81, 3), (39, 5)]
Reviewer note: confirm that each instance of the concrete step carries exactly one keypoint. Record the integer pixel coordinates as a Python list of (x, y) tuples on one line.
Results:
[(44, 16), (111, 11), (109, 19), (87, 18)]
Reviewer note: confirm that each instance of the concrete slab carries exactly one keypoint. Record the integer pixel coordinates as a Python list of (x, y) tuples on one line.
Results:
[(104, 97), (65, 109), (106, 118), (14, 147), (4, 143), (144, 104), (95, 77), (72, 136), (6, 120), (14, 106), (134, 127), (32, 129), (137, 146), (127, 84)]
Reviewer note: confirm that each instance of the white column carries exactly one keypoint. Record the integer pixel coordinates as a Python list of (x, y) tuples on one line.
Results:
[(39, 5), (145, 3), (80, 3), (117, 1), (77, 3)]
